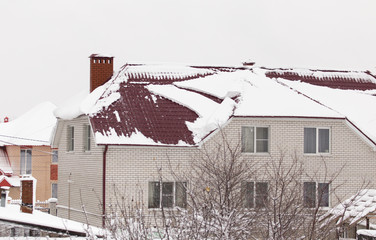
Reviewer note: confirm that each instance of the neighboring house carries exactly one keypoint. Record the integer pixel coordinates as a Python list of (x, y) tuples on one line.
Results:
[(25, 150), (125, 133)]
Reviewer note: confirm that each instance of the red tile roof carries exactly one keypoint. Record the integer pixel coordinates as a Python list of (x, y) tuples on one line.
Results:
[(156, 117), (355, 80)]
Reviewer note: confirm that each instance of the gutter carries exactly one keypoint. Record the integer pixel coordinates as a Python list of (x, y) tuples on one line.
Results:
[(104, 186)]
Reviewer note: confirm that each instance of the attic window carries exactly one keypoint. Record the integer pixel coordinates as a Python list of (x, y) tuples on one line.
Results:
[(99, 61), (109, 61), (94, 61)]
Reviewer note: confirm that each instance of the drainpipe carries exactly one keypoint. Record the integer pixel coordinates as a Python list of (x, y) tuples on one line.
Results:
[(104, 186)]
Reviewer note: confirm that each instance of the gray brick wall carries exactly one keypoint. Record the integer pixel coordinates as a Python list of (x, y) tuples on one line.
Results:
[(130, 168), (85, 171)]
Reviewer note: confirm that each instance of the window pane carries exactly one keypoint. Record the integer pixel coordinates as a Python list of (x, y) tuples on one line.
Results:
[(309, 140), (54, 190), (23, 162), (154, 195), (262, 135), (167, 194), (248, 194), (323, 140), (70, 138), (323, 192), (247, 139), (181, 194), (261, 194), (55, 157), (28, 161), (309, 193), (87, 137)]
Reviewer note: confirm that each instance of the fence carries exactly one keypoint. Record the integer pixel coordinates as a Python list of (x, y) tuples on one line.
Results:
[(42, 206)]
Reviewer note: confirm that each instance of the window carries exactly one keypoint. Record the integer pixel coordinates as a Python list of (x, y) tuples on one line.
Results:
[(255, 194), (313, 192), (25, 162), (87, 138), (255, 139), (167, 194), (55, 158), (70, 138), (54, 190), (316, 140)]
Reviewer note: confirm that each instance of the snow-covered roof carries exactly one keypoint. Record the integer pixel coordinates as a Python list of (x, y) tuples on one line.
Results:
[(34, 128), (12, 213), (353, 209), (14, 181), (178, 105), (5, 167)]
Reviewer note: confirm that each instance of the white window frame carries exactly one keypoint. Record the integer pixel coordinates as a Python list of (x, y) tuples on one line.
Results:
[(27, 169), (318, 194), (317, 141), (255, 140), (161, 193)]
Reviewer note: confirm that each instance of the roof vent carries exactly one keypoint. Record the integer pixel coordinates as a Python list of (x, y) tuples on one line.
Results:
[(248, 63)]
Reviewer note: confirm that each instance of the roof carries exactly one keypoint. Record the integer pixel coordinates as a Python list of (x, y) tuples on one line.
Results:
[(179, 105), (5, 167), (38, 219), (353, 209), (33, 128), (13, 181)]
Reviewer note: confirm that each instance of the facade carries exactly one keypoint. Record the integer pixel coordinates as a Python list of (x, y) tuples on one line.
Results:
[(25, 142), (38, 162), (147, 120)]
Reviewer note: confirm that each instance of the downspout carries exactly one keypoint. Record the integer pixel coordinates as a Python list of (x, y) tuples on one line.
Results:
[(104, 186)]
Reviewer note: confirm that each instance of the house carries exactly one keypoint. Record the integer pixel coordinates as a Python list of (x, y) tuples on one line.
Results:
[(25, 151), (120, 138)]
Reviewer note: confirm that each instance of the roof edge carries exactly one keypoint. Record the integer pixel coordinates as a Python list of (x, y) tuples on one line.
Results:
[(364, 136)]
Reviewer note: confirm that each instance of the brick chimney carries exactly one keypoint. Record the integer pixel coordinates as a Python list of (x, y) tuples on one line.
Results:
[(101, 70)]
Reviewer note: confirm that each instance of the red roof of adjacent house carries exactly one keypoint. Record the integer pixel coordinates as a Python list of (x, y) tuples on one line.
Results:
[(355, 80)]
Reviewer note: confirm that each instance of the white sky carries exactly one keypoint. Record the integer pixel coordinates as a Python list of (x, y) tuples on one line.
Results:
[(45, 45)]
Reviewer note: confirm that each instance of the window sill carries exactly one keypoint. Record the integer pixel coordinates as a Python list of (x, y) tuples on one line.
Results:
[(257, 153), (318, 154)]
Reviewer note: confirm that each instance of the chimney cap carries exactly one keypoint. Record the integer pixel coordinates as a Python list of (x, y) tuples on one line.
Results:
[(94, 55)]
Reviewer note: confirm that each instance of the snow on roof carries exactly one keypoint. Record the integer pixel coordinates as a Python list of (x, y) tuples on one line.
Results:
[(353, 209), (357, 106), (361, 80), (12, 213), (13, 180), (35, 127), (101, 55), (4, 163), (179, 105), (366, 232)]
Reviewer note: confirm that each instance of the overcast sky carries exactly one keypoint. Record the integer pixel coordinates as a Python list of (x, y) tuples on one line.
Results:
[(44, 45)]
